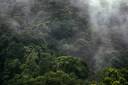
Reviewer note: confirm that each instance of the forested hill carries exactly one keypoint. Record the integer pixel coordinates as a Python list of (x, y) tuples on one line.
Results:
[(50, 42)]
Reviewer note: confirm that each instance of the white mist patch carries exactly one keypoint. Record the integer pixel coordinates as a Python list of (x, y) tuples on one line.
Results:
[(101, 12), (107, 17)]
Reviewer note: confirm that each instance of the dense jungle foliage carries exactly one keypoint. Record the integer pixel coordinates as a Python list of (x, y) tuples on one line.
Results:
[(35, 55)]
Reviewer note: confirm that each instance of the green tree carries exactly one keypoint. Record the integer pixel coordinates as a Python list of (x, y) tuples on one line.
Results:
[(61, 78), (72, 65), (113, 76), (30, 65)]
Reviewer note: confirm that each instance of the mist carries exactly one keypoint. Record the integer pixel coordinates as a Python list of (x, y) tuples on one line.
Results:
[(97, 43), (109, 30)]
